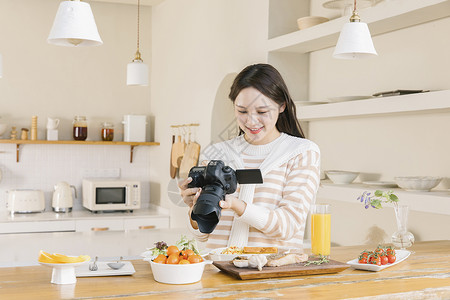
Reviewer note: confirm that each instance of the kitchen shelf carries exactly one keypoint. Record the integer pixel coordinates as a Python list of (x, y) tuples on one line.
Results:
[(437, 202), (24, 142), (420, 102), (383, 18)]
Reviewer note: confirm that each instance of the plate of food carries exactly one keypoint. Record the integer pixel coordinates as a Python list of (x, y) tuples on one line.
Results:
[(375, 263), (259, 266), (229, 253)]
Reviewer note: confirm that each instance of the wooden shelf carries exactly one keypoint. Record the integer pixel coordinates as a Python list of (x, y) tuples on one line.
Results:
[(421, 102), (24, 142), (383, 18), (437, 202)]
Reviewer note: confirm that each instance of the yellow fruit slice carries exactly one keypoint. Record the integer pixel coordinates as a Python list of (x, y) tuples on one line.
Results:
[(45, 257), (61, 258), (57, 258)]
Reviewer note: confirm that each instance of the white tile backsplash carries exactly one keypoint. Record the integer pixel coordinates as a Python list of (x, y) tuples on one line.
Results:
[(42, 166)]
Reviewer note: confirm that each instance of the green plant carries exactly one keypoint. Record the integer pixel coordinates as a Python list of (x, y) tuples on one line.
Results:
[(376, 199)]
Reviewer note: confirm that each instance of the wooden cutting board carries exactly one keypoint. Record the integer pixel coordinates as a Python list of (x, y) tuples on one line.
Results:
[(283, 271), (190, 159), (177, 152)]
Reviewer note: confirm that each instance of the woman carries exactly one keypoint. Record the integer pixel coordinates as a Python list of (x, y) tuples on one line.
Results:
[(273, 213)]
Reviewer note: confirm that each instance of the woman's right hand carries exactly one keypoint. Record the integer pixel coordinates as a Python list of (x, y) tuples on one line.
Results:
[(189, 195)]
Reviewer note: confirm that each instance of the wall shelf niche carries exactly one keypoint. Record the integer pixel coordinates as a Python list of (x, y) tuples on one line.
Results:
[(25, 142), (382, 18), (413, 103), (436, 202)]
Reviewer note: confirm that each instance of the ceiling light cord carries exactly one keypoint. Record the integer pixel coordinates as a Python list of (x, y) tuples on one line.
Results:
[(138, 54), (355, 17)]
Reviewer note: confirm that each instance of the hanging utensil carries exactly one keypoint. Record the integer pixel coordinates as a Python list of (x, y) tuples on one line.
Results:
[(173, 169), (190, 158)]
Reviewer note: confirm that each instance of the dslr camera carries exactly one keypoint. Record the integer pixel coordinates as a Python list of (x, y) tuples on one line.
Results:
[(216, 180)]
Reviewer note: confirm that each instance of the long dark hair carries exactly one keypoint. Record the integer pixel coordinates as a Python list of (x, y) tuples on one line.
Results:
[(266, 79)]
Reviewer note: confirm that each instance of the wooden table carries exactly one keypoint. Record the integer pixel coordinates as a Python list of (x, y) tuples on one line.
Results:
[(426, 273)]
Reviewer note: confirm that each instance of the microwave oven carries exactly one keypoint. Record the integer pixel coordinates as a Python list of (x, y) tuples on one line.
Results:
[(111, 195)]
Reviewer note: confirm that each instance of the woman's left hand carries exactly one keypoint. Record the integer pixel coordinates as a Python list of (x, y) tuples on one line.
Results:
[(231, 202)]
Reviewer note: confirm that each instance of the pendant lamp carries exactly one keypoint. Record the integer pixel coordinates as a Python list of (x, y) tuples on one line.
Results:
[(74, 25), (137, 70), (354, 41)]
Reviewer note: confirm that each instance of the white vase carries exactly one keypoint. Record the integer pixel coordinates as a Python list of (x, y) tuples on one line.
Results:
[(402, 238)]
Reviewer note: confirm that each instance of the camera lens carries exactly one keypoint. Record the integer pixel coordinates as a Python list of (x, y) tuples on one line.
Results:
[(206, 210)]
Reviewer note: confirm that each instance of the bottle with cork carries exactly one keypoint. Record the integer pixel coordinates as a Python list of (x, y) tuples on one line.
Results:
[(34, 128)]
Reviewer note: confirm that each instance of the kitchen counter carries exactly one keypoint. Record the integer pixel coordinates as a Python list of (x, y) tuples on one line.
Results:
[(23, 249), (425, 274), (79, 215), (83, 220)]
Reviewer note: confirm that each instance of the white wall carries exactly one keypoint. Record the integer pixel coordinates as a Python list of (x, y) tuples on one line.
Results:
[(382, 147), (61, 82), (195, 45)]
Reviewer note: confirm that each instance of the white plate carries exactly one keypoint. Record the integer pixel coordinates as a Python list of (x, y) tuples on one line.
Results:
[(387, 184), (105, 270), (401, 255), (349, 98), (304, 103), (216, 254), (64, 273)]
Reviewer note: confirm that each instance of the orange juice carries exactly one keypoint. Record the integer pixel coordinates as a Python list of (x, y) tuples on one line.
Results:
[(320, 234)]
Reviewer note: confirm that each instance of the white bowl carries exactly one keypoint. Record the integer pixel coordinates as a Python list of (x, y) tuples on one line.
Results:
[(178, 274), (341, 177), (417, 183), (310, 21)]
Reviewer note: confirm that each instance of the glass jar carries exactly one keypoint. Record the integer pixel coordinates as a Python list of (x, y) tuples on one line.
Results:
[(107, 131), (80, 128)]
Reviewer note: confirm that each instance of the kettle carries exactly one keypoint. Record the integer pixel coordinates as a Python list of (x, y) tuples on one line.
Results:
[(62, 200)]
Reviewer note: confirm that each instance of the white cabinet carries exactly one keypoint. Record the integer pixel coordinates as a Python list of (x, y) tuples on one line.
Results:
[(84, 221), (145, 223), (37, 226), (99, 225)]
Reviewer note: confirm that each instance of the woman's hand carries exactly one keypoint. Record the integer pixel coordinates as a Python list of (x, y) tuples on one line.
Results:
[(233, 203), (190, 196)]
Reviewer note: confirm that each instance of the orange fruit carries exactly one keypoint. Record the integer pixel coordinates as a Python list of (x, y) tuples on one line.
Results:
[(183, 262), (160, 259), (173, 250), (186, 253), (195, 259), (173, 259)]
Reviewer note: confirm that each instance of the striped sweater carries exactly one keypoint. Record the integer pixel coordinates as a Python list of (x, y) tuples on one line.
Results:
[(277, 215)]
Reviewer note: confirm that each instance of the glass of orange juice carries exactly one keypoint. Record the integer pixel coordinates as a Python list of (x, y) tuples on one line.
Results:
[(320, 229)]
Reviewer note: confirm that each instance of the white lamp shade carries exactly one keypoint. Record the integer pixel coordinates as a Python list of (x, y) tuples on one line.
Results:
[(354, 42), (74, 25), (137, 73)]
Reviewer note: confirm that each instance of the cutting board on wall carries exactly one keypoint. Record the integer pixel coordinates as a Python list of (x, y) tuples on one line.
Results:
[(177, 152), (283, 271), (190, 159)]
